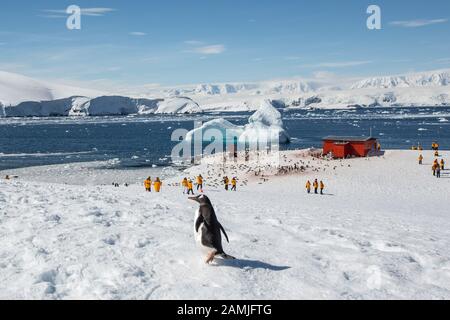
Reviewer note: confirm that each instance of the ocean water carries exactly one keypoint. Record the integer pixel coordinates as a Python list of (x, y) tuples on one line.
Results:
[(145, 141)]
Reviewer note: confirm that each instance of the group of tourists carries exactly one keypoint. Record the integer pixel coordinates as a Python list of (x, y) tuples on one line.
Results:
[(438, 166), (157, 184), (316, 185), (227, 182), (188, 185)]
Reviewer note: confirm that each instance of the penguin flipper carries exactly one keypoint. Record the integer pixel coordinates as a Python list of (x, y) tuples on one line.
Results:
[(198, 222), (225, 234)]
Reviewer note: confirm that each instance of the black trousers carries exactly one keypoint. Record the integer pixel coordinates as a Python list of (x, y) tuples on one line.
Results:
[(233, 188), (199, 186), (190, 191), (315, 190)]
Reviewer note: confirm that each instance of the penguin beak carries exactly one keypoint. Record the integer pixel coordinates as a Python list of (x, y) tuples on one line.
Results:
[(194, 199)]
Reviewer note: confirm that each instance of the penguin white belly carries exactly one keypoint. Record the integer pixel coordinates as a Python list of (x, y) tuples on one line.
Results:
[(198, 235)]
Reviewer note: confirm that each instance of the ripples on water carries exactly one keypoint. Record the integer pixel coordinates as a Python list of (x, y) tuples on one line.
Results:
[(144, 141)]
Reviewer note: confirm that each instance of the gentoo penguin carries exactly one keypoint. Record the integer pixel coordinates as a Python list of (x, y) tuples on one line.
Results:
[(208, 230)]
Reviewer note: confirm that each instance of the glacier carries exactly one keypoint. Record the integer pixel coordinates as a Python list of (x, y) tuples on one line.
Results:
[(21, 96), (100, 106)]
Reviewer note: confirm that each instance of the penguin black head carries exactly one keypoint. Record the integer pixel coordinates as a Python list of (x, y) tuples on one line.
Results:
[(201, 199)]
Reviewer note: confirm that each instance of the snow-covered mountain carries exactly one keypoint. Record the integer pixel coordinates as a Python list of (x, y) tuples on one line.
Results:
[(23, 96), (252, 89), (15, 89), (423, 79), (101, 106)]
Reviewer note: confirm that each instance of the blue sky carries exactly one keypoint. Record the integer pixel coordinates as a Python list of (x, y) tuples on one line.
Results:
[(135, 43)]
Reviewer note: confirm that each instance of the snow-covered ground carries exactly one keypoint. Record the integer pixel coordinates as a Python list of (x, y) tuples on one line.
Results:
[(381, 231)]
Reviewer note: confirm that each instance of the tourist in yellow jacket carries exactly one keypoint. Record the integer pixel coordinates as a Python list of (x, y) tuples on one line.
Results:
[(184, 184), (148, 184), (420, 159), (157, 184), (226, 182), (190, 187), (200, 183), (308, 186), (316, 186), (233, 184), (322, 186), (434, 167), (442, 164)]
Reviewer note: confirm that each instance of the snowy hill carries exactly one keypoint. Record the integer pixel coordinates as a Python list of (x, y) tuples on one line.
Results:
[(101, 106), (424, 79), (15, 89)]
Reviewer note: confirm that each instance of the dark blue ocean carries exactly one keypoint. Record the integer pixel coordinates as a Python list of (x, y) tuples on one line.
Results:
[(141, 141)]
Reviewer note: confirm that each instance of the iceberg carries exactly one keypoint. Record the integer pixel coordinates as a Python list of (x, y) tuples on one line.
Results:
[(265, 125)]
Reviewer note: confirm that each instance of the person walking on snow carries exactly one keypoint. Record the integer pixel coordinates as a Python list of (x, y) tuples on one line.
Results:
[(157, 184), (442, 164), (438, 172), (420, 159), (322, 186), (316, 186), (233, 184), (200, 183), (148, 184), (434, 167), (308, 186), (226, 181), (184, 184), (190, 187)]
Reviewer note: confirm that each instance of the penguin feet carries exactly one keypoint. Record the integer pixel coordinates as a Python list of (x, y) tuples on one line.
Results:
[(210, 257)]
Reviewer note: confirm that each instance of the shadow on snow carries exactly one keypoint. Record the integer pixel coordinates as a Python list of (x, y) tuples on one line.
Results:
[(249, 264)]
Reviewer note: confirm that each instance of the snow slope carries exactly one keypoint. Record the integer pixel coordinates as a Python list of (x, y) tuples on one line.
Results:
[(422, 79), (387, 239), (15, 89), (101, 106)]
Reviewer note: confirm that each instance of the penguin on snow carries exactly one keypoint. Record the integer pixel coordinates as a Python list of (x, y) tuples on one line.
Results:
[(208, 230)]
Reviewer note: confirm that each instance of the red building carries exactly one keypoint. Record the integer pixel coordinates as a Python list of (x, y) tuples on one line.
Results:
[(343, 147)]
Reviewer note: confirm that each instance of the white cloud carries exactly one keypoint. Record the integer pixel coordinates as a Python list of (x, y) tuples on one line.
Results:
[(208, 50), (93, 12), (417, 23), (96, 11), (343, 64), (138, 34), (193, 42)]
